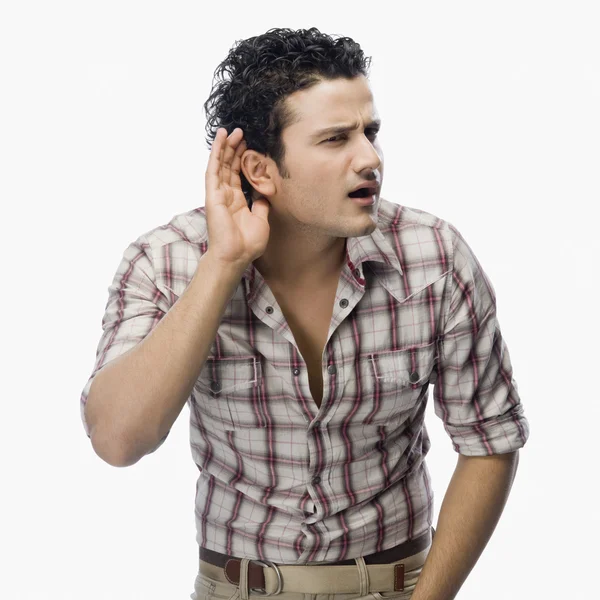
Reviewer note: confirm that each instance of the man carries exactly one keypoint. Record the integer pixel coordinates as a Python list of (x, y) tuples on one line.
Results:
[(303, 320)]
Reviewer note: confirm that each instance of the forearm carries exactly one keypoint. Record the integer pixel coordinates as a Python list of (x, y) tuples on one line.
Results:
[(134, 401), (469, 514)]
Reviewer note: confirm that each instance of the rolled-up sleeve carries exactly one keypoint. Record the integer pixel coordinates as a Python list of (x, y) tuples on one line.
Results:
[(135, 306), (475, 393)]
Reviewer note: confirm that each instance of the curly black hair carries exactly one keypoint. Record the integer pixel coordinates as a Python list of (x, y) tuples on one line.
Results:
[(265, 69)]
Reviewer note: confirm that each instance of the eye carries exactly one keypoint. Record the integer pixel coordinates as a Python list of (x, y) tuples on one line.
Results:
[(370, 133), (335, 138)]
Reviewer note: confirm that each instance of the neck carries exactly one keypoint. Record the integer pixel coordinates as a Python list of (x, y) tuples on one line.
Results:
[(299, 261)]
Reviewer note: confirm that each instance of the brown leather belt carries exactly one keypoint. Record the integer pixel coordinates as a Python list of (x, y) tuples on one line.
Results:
[(256, 577)]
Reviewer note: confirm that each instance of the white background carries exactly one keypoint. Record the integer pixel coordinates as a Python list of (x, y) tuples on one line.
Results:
[(491, 121)]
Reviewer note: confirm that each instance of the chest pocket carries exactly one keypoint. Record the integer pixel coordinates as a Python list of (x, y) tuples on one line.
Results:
[(228, 392), (394, 382)]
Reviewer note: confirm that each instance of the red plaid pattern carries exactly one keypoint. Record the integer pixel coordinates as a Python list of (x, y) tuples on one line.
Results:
[(281, 479)]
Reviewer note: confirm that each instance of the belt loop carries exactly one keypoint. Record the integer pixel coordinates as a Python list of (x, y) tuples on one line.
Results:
[(243, 585), (363, 576)]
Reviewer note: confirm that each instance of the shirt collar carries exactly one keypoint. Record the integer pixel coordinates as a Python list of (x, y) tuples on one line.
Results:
[(374, 249)]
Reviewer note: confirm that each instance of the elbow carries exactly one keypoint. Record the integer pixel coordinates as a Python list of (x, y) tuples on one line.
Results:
[(111, 451), (107, 443)]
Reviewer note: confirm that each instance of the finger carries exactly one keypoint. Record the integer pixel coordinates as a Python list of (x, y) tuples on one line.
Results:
[(213, 169), (261, 208), (230, 146), (234, 180)]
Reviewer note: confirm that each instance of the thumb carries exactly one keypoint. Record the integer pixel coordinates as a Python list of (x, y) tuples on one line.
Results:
[(261, 207)]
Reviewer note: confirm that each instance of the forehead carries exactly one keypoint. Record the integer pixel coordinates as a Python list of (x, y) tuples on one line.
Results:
[(331, 102)]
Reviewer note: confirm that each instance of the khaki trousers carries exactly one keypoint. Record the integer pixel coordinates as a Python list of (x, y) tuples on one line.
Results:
[(211, 583)]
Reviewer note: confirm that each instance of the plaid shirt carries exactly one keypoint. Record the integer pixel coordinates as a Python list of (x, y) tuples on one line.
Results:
[(283, 480)]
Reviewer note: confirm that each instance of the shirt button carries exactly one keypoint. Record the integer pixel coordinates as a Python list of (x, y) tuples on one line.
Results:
[(296, 371), (269, 310), (317, 424), (331, 369), (215, 386), (414, 377), (316, 480), (343, 303), (356, 273)]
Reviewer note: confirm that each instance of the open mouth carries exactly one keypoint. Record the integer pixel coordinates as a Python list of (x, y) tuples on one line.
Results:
[(362, 193)]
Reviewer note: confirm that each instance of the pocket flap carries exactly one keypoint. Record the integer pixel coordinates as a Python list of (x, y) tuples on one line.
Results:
[(393, 382), (223, 375), (229, 387), (406, 367)]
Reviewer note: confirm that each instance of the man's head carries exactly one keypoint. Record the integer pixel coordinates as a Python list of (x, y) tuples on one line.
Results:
[(283, 88)]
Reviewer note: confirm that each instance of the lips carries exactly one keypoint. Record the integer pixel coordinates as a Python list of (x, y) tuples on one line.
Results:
[(364, 190)]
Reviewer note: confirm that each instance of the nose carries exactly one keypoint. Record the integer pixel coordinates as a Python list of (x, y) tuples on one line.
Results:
[(367, 157)]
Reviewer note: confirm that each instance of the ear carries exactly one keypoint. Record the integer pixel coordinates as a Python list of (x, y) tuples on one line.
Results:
[(258, 170)]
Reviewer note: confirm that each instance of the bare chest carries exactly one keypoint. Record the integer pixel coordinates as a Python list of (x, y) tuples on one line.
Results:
[(309, 318)]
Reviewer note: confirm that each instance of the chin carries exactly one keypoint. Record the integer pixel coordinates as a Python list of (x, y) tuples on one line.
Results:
[(368, 230), (360, 229)]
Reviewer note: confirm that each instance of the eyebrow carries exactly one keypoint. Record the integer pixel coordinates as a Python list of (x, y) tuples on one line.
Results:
[(337, 129)]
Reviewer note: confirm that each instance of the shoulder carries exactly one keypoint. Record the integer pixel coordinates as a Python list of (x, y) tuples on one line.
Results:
[(184, 228), (416, 234), (173, 251), (434, 246), (392, 214)]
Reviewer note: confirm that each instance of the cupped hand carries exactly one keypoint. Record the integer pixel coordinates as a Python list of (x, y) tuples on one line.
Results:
[(236, 234)]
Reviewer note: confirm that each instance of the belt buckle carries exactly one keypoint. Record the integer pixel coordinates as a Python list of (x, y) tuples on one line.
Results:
[(263, 592)]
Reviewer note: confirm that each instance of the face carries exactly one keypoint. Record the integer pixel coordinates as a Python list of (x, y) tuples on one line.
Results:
[(323, 167)]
